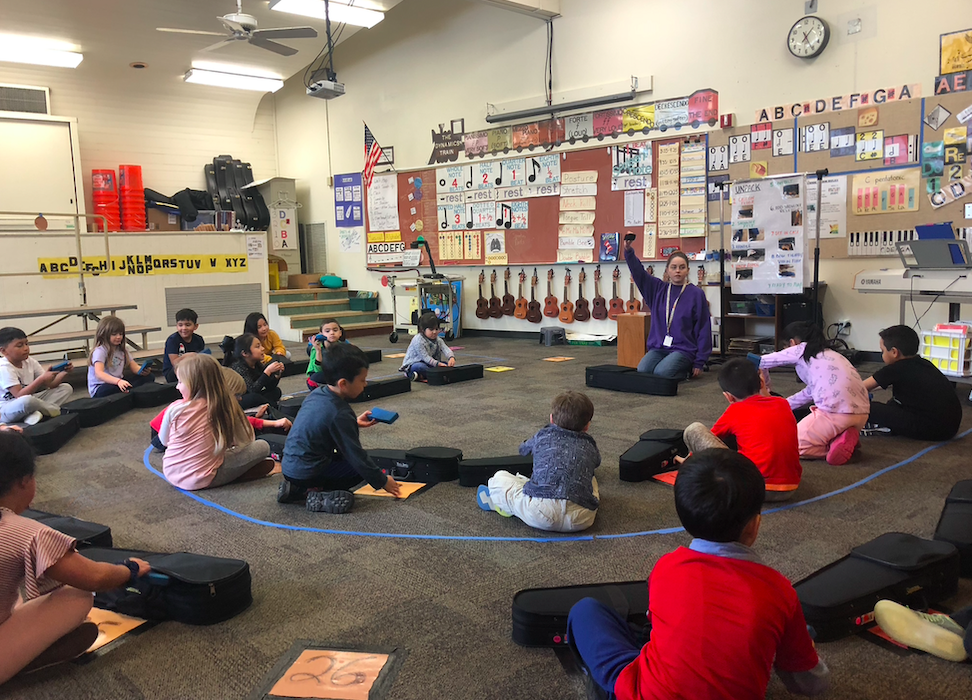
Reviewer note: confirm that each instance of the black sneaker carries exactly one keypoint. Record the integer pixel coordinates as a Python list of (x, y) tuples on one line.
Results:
[(288, 492), (330, 501), (68, 647)]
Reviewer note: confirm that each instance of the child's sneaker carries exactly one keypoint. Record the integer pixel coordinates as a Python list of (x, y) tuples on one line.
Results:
[(336, 502), (68, 647), (414, 376), (33, 418), (290, 493), (842, 447), (486, 503), (939, 635)]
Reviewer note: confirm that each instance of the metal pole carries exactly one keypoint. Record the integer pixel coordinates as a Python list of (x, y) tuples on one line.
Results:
[(817, 315), (722, 269)]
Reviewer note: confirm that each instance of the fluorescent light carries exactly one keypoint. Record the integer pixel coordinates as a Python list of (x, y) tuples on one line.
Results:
[(41, 52), (233, 80), (235, 69), (340, 12)]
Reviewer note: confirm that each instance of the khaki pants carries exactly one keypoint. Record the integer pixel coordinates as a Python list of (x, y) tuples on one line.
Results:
[(47, 401), (551, 514)]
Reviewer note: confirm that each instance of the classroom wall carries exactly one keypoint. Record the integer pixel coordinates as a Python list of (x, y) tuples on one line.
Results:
[(434, 60), (155, 120)]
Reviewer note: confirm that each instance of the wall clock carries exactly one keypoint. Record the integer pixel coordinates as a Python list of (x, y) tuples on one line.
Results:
[(808, 37)]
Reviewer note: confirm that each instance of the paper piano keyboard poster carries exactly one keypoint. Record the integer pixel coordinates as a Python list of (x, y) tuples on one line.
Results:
[(768, 235)]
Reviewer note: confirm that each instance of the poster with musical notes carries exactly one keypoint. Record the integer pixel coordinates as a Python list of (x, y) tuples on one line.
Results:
[(485, 175), (454, 179), (481, 215), (452, 217), (512, 173), (668, 190), (543, 170), (633, 158)]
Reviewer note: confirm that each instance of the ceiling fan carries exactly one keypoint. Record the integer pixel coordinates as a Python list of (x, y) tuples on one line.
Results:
[(241, 27)]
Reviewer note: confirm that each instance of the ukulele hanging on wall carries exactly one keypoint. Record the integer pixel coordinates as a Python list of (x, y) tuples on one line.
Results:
[(550, 306), (599, 305), (508, 300), (482, 306), (533, 314), (520, 309), (495, 305), (582, 309), (567, 307), (617, 303), (634, 305)]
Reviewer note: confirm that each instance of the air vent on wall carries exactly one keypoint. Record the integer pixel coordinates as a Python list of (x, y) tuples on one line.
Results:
[(25, 98)]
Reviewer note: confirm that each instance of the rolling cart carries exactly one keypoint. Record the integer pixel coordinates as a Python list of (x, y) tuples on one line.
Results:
[(443, 295)]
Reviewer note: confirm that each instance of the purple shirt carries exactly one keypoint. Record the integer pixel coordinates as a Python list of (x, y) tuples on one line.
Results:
[(833, 385), (691, 326)]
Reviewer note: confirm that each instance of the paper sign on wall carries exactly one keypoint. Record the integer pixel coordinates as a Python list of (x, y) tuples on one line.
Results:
[(383, 203)]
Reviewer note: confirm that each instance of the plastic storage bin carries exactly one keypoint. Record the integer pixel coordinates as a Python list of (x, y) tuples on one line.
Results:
[(363, 303), (949, 350)]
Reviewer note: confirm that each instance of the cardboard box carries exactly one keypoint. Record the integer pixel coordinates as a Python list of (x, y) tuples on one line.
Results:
[(303, 281), (211, 221), (162, 219)]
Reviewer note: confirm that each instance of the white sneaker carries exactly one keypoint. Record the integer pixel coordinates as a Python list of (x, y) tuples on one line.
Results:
[(34, 418), (939, 635), (54, 412)]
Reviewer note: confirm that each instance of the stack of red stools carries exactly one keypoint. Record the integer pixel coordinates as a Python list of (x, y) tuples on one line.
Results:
[(132, 197), (105, 199)]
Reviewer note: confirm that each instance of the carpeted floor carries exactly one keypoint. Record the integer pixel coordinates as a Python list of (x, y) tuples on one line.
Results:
[(447, 601)]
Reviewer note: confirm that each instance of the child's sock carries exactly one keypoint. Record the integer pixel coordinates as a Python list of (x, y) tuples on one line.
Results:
[(486, 503)]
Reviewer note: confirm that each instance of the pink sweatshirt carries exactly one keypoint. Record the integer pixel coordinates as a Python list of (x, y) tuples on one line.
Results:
[(833, 385), (190, 461)]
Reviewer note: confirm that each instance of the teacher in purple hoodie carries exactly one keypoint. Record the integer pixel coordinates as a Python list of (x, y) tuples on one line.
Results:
[(680, 339)]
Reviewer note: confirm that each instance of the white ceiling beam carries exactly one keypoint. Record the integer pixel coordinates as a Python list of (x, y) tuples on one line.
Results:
[(541, 9)]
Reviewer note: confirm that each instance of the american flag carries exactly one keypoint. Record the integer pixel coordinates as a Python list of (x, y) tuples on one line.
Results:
[(372, 154)]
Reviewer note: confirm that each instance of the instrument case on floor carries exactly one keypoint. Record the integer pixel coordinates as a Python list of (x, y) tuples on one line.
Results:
[(646, 458), (154, 394), (394, 463), (197, 590), (476, 472), (373, 355), (86, 533), (92, 412), (838, 600), (617, 378), (540, 614), (276, 442), (290, 407), (955, 524), (381, 388), (438, 376), (430, 465), (295, 367), (51, 434)]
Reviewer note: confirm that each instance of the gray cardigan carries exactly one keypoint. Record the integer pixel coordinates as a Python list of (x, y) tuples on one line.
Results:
[(421, 349)]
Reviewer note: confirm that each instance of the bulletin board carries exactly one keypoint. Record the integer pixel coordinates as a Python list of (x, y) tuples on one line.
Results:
[(536, 240)]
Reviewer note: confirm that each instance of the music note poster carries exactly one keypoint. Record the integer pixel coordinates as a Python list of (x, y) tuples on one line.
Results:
[(633, 158), (513, 215)]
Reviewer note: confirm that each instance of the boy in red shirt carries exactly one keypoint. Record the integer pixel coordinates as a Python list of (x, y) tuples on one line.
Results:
[(762, 426), (720, 620)]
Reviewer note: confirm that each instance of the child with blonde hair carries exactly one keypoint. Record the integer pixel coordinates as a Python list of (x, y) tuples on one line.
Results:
[(110, 359), (208, 440)]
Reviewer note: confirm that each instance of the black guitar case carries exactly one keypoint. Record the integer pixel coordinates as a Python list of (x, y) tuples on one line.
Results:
[(625, 379), (373, 355), (52, 434), (263, 221), (276, 442), (229, 195), (94, 412), (540, 614), (290, 407), (430, 465), (476, 472), (955, 524), (249, 206), (381, 388), (394, 463), (87, 534), (198, 590), (646, 458), (212, 187), (838, 600), (154, 394), (438, 376)]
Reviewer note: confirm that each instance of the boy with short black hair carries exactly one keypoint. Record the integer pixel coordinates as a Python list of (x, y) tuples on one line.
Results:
[(28, 392), (323, 456), (924, 404), (426, 350), (720, 620), (562, 495), (181, 343), (763, 427)]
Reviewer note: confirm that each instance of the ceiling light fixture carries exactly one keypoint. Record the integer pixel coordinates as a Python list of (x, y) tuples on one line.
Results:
[(341, 13), (233, 80), (40, 52)]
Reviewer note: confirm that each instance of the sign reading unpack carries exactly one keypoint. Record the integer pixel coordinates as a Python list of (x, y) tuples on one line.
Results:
[(386, 252), (124, 265)]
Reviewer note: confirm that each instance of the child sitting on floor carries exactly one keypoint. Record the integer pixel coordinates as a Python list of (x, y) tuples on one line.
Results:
[(562, 495), (426, 350), (41, 567), (246, 358), (924, 404), (110, 359), (720, 619), (323, 456), (28, 392), (181, 343), (207, 438), (273, 348), (331, 333), (762, 426), (840, 404), (948, 637)]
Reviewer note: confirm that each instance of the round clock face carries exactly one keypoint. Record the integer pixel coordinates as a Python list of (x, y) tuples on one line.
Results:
[(808, 37)]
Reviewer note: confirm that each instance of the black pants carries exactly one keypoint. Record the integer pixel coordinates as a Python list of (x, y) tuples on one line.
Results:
[(109, 389), (270, 396), (908, 423)]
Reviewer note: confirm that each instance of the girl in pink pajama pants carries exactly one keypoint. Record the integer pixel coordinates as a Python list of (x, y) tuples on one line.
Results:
[(840, 402)]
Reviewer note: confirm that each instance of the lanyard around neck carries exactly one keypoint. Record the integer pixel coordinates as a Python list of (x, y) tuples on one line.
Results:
[(670, 313)]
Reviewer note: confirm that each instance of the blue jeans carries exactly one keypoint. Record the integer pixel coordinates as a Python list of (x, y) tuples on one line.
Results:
[(666, 363), (420, 367), (603, 639)]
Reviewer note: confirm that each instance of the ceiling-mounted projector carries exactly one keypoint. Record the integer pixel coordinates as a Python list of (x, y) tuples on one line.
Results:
[(326, 89)]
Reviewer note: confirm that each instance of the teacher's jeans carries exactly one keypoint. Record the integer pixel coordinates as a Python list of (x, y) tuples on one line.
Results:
[(666, 363)]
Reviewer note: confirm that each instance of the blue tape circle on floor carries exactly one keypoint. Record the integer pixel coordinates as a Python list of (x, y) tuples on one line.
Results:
[(543, 540)]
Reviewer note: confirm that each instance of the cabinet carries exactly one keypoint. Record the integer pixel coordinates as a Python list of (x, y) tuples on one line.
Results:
[(754, 319)]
